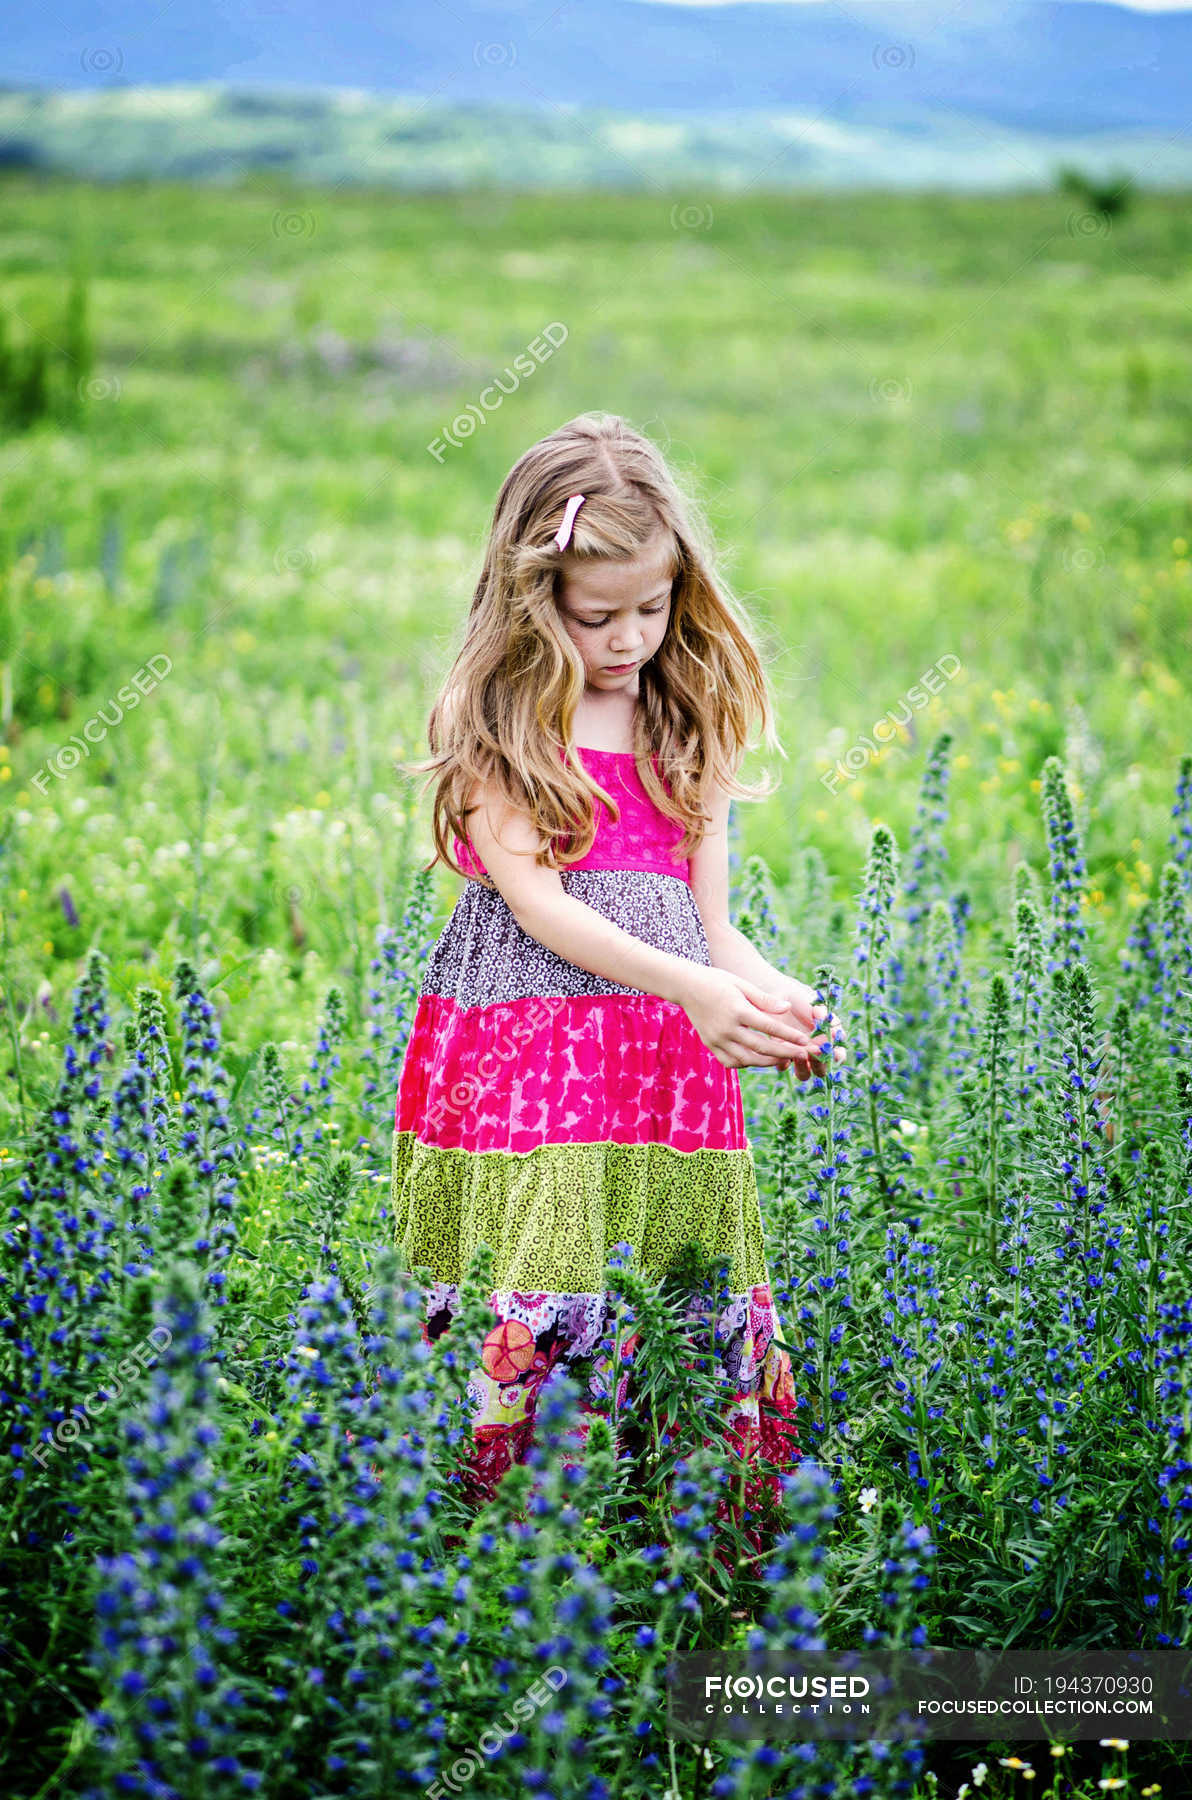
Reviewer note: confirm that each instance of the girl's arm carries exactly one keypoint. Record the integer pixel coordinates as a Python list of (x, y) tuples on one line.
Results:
[(739, 1021), (729, 948)]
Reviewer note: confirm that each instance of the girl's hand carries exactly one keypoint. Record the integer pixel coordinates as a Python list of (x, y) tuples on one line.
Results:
[(819, 1023), (742, 1025)]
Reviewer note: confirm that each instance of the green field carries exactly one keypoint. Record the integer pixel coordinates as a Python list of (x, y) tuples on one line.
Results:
[(927, 430), (920, 427)]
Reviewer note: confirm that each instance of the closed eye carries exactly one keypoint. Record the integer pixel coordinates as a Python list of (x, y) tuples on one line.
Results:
[(650, 612)]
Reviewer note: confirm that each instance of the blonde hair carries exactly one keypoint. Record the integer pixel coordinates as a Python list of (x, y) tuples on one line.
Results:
[(507, 705)]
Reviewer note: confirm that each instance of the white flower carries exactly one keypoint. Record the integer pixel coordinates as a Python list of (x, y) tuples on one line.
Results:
[(868, 1499), (1114, 1743), (979, 1774)]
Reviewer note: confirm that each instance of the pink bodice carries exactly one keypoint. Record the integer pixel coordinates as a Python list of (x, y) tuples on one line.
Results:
[(642, 838)]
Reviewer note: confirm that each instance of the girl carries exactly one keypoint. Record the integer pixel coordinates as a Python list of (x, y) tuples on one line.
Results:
[(570, 1080)]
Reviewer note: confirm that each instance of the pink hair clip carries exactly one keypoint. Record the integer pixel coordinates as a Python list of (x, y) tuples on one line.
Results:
[(563, 534)]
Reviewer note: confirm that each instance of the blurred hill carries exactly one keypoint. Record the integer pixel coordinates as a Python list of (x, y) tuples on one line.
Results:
[(218, 134)]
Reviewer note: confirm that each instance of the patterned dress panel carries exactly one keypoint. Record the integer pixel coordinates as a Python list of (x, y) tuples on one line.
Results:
[(485, 957)]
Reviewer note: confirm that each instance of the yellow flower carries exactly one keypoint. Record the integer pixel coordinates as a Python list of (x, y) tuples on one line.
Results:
[(1114, 1743), (1016, 1763), (1059, 1749)]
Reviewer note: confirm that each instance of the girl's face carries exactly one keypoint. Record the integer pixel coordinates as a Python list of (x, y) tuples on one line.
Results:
[(616, 613)]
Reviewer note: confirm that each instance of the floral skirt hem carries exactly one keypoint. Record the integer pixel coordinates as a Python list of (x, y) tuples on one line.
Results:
[(535, 1334)]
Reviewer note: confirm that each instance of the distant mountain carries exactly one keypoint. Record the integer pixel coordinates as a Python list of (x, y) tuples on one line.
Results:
[(327, 136), (1053, 69)]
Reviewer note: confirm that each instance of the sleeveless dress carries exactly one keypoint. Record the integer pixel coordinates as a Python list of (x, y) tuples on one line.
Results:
[(555, 1114)]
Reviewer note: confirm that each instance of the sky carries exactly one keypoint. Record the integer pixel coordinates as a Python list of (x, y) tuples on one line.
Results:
[(1129, 5)]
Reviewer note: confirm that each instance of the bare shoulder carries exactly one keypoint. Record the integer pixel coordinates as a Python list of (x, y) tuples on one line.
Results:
[(507, 841), (494, 822)]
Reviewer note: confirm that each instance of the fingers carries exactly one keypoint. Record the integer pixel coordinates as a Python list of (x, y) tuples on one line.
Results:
[(759, 997), (785, 1029), (738, 1054), (773, 1005), (764, 1055), (780, 1040), (831, 1024), (805, 1062)]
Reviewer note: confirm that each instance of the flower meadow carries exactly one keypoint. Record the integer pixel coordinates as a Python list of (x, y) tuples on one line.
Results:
[(238, 1553)]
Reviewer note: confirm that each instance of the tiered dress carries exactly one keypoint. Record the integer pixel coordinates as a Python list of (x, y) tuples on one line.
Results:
[(555, 1114)]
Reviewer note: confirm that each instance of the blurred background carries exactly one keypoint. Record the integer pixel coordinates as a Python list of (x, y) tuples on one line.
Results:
[(903, 292)]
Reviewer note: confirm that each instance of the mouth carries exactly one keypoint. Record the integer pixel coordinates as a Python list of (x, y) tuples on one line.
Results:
[(620, 668)]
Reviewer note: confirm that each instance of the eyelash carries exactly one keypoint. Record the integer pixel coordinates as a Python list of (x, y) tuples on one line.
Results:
[(651, 612)]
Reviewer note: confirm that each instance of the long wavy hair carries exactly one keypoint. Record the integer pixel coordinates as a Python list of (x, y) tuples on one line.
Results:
[(506, 708)]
